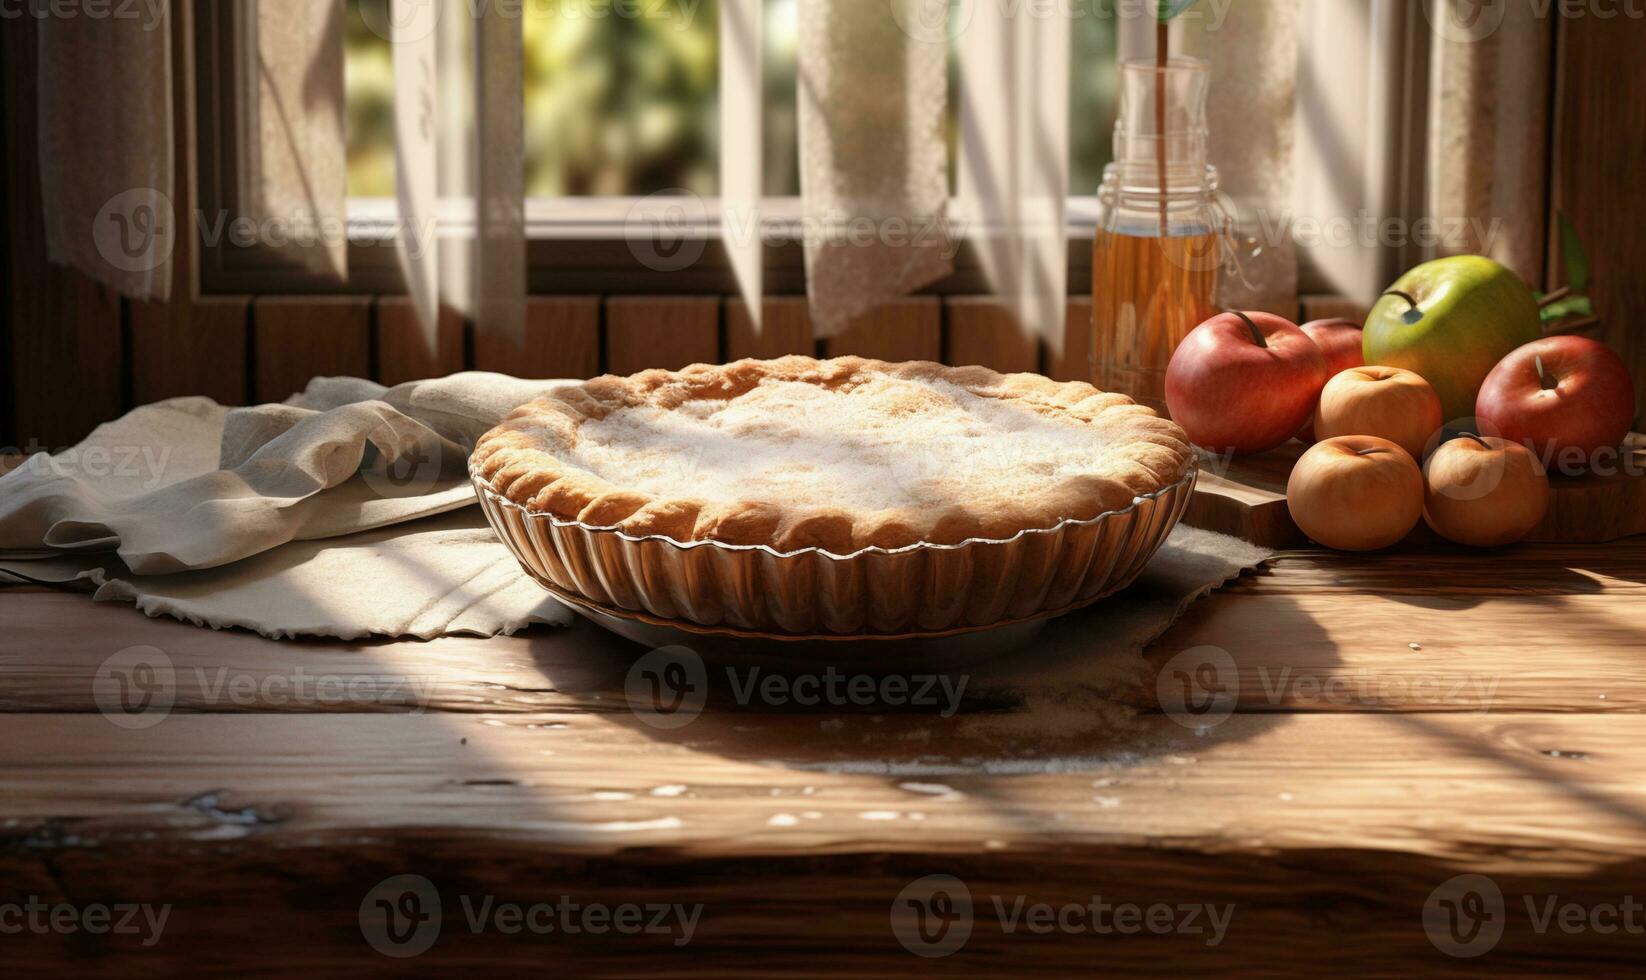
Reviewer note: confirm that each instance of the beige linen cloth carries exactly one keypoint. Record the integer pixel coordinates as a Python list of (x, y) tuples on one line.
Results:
[(344, 511)]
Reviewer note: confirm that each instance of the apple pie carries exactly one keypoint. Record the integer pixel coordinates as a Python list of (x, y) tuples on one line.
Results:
[(837, 455)]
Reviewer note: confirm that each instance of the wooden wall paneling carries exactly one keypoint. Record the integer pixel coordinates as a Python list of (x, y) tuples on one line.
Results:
[(404, 353), (1074, 363), (562, 341), (785, 328), (8, 405), (980, 330), (298, 338), (905, 330), (1599, 156), (65, 370), (661, 332), (188, 345)]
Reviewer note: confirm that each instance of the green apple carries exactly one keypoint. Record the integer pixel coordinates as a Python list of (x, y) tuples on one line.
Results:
[(1451, 321)]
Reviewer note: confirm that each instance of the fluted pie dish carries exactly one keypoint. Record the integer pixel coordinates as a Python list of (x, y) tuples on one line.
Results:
[(838, 498)]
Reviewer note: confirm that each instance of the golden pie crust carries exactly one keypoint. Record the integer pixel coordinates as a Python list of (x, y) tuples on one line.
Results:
[(838, 455)]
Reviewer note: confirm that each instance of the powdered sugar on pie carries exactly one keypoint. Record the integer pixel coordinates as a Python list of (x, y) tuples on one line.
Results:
[(840, 454)]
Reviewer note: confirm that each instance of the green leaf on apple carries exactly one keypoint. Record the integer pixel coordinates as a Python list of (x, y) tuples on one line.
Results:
[(1165, 10), (1577, 260)]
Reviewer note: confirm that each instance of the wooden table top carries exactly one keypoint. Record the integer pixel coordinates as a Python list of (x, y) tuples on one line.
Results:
[(1402, 719)]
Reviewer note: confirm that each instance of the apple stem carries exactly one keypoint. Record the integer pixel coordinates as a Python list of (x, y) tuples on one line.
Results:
[(1544, 380), (1257, 335), (1475, 437), (1370, 451), (1412, 302)]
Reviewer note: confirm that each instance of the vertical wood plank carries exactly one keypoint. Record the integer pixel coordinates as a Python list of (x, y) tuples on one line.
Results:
[(404, 354), (1600, 144), (786, 328), (64, 371), (188, 345), (562, 341), (1074, 363), (8, 418), (661, 332), (298, 338), (980, 330), (906, 330)]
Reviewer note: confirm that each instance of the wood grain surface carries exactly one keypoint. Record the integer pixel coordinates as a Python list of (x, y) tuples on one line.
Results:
[(1074, 362), (785, 328), (190, 347), (1600, 506), (1599, 143), (298, 339), (404, 353), (1245, 496), (562, 341), (661, 332), (982, 331), (903, 330), (1393, 721)]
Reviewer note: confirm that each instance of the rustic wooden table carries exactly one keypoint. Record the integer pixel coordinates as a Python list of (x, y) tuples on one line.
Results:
[(273, 809)]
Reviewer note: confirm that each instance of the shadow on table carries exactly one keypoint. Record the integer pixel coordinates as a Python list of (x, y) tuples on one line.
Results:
[(1424, 570), (1082, 693)]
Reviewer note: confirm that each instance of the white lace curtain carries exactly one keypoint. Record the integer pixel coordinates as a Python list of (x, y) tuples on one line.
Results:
[(873, 87)]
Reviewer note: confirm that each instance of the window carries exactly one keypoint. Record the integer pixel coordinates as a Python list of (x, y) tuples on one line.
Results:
[(626, 106), (621, 100)]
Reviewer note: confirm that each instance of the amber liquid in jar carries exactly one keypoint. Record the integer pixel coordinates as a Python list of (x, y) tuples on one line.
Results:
[(1156, 247), (1148, 292)]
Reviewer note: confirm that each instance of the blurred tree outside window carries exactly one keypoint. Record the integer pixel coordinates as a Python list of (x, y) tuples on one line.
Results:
[(627, 105)]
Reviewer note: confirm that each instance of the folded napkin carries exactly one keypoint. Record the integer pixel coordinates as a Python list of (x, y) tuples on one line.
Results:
[(285, 503)]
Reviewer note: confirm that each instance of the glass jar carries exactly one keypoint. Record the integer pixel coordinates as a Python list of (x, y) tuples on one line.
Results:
[(1158, 247)]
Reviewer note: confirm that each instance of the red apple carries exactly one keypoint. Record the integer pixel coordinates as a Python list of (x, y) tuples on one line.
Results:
[(1355, 493), (1569, 399), (1244, 382), (1339, 341)]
